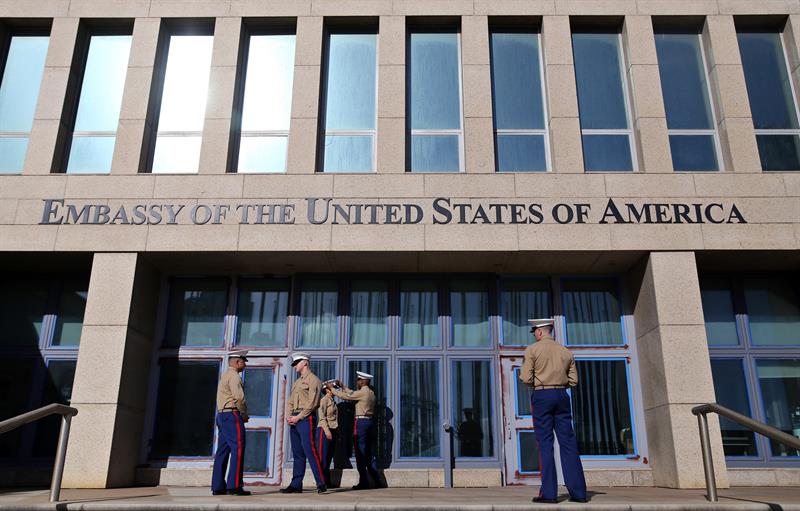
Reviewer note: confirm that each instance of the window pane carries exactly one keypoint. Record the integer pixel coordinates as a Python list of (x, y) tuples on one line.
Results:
[(90, 154), (528, 450), (350, 83), (263, 305), (521, 153), (472, 408), (419, 409), (683, 82), (318, 312), (434, 96), (377, 368), (419, 310), (693, 152), (183, 100), (187, 392), (434, 153), (57, 389), (22, 77), (324, 369), (196, 315), (69, 322), (383, 416), (177, 154), (103, 82), (369, 310), (779, 152), (22, 308), (597, 72), (12, 154), (718, 311), (773, 308), (256, 450), (731, 390), (262, 154), (521, 300), (780, 390), (516, 81), (348, 153), (592, 312), (469, 309), (268, 83), (607, 152), (768, 87), (524, 393), (601, 408), (258, 391), (16, 381)]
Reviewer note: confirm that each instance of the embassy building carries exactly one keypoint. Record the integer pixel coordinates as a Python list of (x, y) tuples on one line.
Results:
[(396, 186)]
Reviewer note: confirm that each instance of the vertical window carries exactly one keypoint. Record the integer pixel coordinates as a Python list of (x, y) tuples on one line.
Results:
[(419, 314), (773, 310), (256, 449), (472, 408), (693, 138), (521, 300), (324, 369), (183, 104), (772, 99), (95, 130), (263, 305), (730, 388), (592, 312), (348, 138), (603, 102), (19, 90), (434, 99), (718, 311), (469, 310), (58, 381), (419, 409), (196, 315), (519, 119), (266, 107), (779, 381), (257, 383), (369, 310), (319, 306)]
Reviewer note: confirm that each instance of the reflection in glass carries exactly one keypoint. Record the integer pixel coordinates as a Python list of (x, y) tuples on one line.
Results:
[(693, 152), (324, 369), (683, 81), (57, 389), (419, 409), (519, 301), (71, 306), (258, 391), (348, 153), (730, 388), (263, 305), (196, 315), (183, 103), (528, 449), (383, 416), (12, 154), (718, 311), (521, 153), (601, 98), (256, 450), (90, 154), (369, 310), (524, 393), (469, 309), (592, 312), (779, 152), (435, 153), (601, 408), (773, 308), (780, 390), (22, 308), (350, 82), (262, 154), (607, 152), (318, 312), (419, 312), (472, 408), (187, 391)]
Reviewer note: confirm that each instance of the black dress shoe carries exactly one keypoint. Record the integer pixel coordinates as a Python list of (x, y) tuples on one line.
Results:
[(542, 500), (322, 489), (239, 491), (221, 492), (576, 499), (291, 489), (360, 487)]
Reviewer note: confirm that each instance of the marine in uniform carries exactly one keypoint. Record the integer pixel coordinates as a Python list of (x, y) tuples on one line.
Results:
[(300, 410), (550, 369), (363, 430), (327, 430), (231, 416)]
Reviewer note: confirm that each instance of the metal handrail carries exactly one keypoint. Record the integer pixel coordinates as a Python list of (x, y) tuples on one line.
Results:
[(66, 413), (743, 420)]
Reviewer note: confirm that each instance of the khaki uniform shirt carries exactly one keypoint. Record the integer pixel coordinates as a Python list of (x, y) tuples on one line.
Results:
[(364, 398), (547, 363), (230, 392), (328, 414), (304, 397)]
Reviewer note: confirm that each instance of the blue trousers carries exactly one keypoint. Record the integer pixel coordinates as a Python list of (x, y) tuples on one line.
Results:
[(551, 411), (325, 449), (363, 444), (230, 443), (304, 448)]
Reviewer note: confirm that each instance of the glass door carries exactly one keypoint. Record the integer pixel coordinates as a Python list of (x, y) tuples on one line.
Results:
[(260, 387)]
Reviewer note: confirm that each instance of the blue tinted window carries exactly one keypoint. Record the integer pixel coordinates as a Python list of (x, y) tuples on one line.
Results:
[(683, 82), (718, 311), (434, 153), (779, 152), (434, 97), (592, 311), (345, 153), (607, 152), (350, 82), (103, 82), (730, 387), (521, 153), (12, 154), (599, 79), (22, 76), (262, 153), (516, 81), (693, 152), (90, 154)]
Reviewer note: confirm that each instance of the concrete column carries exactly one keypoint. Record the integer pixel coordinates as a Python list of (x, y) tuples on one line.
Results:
[(563, 121), (110, 387), (302, 157), (649, 116), (391, 144), (221, 88), (675, 368), (735, 121), (133, 119), (43, 141), (477, 87)]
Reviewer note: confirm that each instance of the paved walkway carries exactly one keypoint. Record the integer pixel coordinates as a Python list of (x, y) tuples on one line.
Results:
[(469, 499)]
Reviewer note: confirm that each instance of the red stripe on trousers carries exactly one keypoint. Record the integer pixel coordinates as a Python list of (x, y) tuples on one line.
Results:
[(319, 448), (314, 451), (539, 449), (238, 450), (355, 427)]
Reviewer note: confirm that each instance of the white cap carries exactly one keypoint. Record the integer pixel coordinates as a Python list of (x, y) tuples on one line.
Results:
[(238, 354), (363, 376), (298, 356), (538, 323)]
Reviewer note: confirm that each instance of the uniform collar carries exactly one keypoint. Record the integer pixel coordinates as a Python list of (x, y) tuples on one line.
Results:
[(547, 338)]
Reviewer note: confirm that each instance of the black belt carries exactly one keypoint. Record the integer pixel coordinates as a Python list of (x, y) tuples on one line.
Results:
[(550, 387)]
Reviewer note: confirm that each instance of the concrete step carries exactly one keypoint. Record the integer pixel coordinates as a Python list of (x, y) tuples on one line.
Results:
[(430, 499)]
